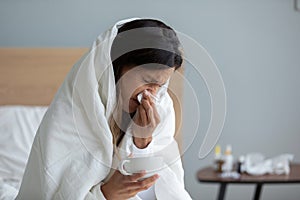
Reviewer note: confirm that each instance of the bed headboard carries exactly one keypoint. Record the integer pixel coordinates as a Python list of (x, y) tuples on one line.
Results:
[(31, 76)]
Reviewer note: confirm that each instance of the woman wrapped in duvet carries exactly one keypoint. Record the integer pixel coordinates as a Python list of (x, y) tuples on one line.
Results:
[(112, 107)]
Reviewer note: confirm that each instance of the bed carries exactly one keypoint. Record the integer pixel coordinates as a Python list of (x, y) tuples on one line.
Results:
[(29, 79)]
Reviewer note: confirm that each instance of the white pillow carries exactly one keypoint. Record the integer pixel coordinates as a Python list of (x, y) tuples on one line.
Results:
[(18, 125)]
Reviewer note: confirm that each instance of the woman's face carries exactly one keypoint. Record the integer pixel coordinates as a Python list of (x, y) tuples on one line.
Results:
[(135, 80)]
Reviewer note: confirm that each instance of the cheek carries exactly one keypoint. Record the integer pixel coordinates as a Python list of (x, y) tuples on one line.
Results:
[(127, 90)]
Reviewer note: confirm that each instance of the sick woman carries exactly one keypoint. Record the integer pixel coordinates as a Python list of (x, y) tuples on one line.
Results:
[(113, 105)]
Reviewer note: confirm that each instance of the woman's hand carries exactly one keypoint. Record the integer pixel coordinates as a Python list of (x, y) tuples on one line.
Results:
[(145, 120), (121, 186)]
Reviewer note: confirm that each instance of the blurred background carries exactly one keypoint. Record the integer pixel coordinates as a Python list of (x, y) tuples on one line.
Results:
[(255, 44)]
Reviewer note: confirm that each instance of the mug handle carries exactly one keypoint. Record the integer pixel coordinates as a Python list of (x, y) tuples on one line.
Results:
[(121, 167)]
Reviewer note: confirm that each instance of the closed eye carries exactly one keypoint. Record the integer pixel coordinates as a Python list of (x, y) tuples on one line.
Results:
[(154, 82)]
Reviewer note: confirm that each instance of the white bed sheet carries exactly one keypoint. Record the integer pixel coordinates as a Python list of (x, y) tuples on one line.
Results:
[(18, 125)]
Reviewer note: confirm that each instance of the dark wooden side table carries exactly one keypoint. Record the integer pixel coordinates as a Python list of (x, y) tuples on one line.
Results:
[(208, 175)]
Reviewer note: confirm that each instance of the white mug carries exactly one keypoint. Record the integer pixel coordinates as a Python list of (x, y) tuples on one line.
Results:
[(151, 165)]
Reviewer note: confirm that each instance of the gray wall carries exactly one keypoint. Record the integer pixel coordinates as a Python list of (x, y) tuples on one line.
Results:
[(256, 45)]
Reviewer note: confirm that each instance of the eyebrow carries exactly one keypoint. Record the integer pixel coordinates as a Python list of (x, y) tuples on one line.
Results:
[(151, 80)]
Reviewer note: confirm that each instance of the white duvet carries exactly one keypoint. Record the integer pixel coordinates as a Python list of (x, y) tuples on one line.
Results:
[(72, 153)]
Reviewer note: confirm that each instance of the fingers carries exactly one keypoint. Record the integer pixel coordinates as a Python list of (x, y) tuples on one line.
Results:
[(121, 186), (146, 119), (135, 187), (130, 155), (156, 115), (134, 177), (149, 111), (152, 113), (143, 115), (149, 98)]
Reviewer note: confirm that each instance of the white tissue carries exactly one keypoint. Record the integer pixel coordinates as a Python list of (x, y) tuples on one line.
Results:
[(140, 96), (256, 164)]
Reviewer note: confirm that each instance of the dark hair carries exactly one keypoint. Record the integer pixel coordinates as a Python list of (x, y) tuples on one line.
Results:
[(162, 35), (140, 42)]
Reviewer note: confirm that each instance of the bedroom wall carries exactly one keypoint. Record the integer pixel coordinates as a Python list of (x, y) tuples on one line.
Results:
[(256, 45)]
